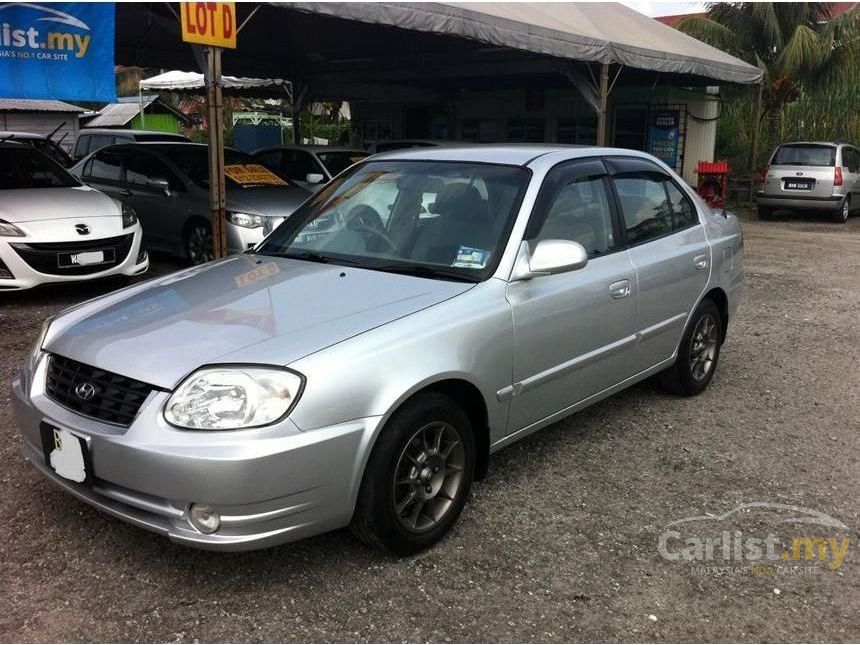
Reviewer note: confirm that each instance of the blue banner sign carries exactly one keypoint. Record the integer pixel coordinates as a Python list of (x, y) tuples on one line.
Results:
[(664, 136), (59, 50)]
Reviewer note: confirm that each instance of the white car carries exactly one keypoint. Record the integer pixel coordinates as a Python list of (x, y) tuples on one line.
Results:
[(55, 229)]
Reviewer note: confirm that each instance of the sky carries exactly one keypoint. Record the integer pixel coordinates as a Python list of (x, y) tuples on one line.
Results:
[(659, 8)]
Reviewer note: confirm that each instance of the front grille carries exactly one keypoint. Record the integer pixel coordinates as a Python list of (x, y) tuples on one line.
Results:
[(116, 398), (55, 258)]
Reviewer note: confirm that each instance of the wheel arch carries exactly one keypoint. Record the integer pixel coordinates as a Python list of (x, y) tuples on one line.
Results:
[(186, 229), (721, 300)]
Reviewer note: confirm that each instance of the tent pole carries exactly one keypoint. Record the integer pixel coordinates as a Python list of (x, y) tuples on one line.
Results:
[(755, 133), (140, 103), (217, 189), (604, 96)]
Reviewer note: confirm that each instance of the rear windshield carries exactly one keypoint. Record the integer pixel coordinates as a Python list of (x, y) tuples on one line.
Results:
[(337, 162), (800, 154), (24, 167)]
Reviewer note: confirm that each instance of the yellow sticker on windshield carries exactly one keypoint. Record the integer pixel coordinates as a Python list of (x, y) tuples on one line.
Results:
[(252, 174)]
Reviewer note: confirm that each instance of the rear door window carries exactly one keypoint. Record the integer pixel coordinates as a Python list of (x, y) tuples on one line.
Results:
[(142, 167), (804, 154), (106, 166)]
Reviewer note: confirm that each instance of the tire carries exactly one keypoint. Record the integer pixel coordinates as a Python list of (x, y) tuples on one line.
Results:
[(764, 212), (698, 353), (197, 242), (841, 216), (407, 469)]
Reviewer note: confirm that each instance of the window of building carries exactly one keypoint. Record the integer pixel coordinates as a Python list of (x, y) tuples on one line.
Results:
[(525, 130)]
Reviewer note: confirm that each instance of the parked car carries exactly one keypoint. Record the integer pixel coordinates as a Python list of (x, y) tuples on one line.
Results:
[(360, 372), (309, 166), (41, 143), (91, 139), (167, 184), (53, 229), (811, 176)]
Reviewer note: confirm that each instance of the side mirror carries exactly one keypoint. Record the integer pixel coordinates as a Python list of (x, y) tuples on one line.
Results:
[(159, 183), (548, 258), (314, 178)]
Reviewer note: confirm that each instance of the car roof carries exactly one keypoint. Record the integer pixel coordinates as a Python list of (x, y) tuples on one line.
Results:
[(10, 135), (127, 131), (505, 154), (315, 148), (814, 143)]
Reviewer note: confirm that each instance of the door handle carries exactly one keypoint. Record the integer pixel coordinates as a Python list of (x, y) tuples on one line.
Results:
[(620, 289), (700, 262)]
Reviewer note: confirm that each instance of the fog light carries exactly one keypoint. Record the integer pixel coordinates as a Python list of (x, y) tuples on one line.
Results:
[(204, 518), (141, 256)]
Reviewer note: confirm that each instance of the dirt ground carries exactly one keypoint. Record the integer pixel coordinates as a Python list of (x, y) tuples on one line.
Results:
[(560, 543)]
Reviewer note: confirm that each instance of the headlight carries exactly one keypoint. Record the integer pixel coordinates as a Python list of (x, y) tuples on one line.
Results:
[(33, 358), (245, 220), (129, 217), (10, 230), (230, 398)]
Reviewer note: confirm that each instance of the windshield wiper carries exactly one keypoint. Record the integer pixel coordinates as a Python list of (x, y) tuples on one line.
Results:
[(311, 256), (421, 271)]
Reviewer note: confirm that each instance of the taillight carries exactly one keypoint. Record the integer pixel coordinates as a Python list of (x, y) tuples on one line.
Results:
[(837, 176)]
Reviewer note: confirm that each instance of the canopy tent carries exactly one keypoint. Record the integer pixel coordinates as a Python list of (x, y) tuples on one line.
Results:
[(193, 82), (349, 50)]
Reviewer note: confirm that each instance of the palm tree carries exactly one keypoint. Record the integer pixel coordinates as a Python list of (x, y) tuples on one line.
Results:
[(795, 44)]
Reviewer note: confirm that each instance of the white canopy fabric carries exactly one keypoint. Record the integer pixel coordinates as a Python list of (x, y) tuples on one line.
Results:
[(604, 32), (176, 81)]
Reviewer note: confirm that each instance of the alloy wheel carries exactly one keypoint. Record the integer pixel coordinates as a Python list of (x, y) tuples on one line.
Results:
[(200, 248), (428, 476), (703, 348)]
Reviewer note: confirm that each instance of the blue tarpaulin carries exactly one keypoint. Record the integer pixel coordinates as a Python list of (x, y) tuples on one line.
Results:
[(57, 51)]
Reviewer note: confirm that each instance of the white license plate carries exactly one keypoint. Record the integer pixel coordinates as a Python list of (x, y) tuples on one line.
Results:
[(88, 257), (65, 452), (798, 185)]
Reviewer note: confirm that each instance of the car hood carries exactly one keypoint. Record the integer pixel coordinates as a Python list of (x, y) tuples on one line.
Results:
[(245, 309), (274, 201), (27, 205)]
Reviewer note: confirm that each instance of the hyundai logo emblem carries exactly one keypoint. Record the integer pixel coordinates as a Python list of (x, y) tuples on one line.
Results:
[(82, 229), (85, 391)]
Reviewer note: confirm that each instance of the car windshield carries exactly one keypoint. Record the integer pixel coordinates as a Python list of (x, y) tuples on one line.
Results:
[(24, 167), (805, 155), (434, 219), (194, 162), (338, 161)]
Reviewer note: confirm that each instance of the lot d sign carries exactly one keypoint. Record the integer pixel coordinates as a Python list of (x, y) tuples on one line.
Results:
[(209, 23)]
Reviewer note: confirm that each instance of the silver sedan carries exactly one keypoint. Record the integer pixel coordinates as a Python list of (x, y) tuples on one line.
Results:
[(425, 309)]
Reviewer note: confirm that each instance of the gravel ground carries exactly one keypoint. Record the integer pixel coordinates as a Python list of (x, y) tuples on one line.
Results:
[(558, 544)]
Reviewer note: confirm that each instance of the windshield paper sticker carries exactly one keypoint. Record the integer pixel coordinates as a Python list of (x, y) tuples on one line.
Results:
[(252, 174), (471, 258)]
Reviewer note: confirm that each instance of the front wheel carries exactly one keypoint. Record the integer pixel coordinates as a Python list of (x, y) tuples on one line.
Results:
[(418, 476), (199, 247), (698, 352)]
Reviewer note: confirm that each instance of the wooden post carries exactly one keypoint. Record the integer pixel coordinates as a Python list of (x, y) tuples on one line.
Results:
[(604, 97), (756, 126), (217, 189)]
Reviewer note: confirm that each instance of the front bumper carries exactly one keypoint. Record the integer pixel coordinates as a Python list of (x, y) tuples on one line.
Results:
[(25, 276), (800, 203), (269, 485)]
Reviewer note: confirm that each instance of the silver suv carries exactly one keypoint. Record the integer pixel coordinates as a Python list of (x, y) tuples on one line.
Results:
[(811, 176)]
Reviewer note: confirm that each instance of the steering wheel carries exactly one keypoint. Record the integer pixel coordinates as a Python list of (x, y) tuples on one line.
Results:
[(380, 235)]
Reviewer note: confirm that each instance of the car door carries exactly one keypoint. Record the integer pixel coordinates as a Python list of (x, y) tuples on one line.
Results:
[(159, 209), (851, 162), (573, 331), (669, 249)]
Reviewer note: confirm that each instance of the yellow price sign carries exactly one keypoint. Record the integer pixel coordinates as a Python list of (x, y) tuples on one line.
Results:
[(209, 23), (252, 174)]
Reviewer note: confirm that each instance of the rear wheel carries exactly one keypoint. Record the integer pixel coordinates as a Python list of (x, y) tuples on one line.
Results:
[(198, 242), (698, 353), (841, 215), (418, 476)]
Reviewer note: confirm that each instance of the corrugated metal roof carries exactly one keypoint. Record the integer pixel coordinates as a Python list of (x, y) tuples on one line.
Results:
[(32, 105), (115, 114)]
